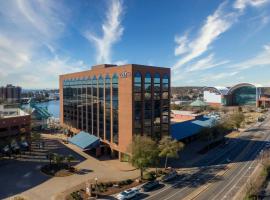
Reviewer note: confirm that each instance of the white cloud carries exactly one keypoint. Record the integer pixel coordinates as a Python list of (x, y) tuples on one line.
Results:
[(112, 31), (242, 4), (215, 24), (218, 76), (260, 60), (182, 43), (28, 30), (206, 63)]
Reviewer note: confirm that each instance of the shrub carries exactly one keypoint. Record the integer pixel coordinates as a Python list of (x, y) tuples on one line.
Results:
[(76, 196), (149, 176)]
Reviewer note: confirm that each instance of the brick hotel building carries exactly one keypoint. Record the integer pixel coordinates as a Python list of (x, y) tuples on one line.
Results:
[(114, 103)]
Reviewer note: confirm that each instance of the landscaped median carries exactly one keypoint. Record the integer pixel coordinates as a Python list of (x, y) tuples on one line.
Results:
[(94, 188)]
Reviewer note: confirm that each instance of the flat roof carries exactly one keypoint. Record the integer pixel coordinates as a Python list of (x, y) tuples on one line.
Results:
[(108, 66), (186, 129)]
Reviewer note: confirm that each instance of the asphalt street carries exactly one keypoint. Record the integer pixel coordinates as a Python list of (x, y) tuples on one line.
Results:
[(222, 172)]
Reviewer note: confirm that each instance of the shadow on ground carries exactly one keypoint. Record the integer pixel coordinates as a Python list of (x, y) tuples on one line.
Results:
[(23, 173)]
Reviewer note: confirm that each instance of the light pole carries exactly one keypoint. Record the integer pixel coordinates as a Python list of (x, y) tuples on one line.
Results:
[(96, 179)]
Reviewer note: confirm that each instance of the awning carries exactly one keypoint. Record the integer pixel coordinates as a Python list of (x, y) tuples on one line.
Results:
[(84, 140)]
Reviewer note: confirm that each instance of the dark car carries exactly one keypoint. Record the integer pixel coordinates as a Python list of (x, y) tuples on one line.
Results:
[(169, 176), (150, 185)]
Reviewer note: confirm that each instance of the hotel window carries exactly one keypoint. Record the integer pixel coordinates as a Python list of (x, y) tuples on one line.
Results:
[(108, 107), (101, 106), (84, 107), (89, 105), (74, 103), (147, 104), (137, 103), (165, 104), (157, 107), (94, 102), (79, 105), (115, 108)]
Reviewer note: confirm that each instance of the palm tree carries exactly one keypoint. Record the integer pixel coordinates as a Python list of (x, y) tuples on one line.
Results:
[(169, 148)]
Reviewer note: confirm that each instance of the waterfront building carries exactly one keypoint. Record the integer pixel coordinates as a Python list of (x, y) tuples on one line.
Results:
[(10, 94), (114, 103), (243, 94)]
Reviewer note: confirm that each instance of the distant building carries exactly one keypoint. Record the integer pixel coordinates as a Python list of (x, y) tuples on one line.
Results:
[(114, 103), (239, 95), (180, 116), (10, 94), (14, 125)]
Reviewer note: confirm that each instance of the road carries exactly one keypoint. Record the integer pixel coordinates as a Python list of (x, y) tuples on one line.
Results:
[(222, 172)]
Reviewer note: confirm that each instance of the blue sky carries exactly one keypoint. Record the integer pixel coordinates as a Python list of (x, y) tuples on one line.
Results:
[(204, 42)]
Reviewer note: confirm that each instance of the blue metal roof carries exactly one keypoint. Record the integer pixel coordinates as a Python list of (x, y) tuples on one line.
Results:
[(84, 140), (185, 129)]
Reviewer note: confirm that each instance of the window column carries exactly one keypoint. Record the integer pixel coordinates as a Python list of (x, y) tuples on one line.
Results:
[(108, 108), (165, 105), (115, 120), (137, 87), (101, 106), (147, 105)]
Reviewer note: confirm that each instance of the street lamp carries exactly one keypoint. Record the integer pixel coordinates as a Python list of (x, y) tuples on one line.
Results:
[(96, 179)]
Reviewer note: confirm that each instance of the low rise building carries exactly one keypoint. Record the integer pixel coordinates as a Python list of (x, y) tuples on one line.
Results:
[(15, 124)]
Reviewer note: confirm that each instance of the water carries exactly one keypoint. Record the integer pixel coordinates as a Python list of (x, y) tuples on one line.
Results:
[(52, 106)]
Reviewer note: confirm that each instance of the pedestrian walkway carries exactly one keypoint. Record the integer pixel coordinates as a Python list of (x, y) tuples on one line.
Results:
[(42, 187)]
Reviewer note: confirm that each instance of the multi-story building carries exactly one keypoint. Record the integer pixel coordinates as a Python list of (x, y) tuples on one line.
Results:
[(15, 125), (10, 94), (115, 103)]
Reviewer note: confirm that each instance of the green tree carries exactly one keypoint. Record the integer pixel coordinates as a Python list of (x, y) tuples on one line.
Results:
[(144, 153), (169, 148), (237, 119), (69, 158)]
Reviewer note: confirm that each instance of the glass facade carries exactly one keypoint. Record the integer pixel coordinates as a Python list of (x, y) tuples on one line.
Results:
[(115, 108), (151, 104), (108, 107), (245, 95), (101, 106), (88, 103), (137, 85), (165, 105), (147, 127)]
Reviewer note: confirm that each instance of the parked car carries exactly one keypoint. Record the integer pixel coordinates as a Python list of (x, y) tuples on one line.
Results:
[(6, 150), (15, 147), (150, 185), (128, 194), (169, 176), (24, 146)]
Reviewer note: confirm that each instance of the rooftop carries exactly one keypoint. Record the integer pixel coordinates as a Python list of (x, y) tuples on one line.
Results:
[(6, 112)]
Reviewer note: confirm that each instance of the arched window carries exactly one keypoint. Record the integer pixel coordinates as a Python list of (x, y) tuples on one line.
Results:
[(115, 107), (101, 106), (108, 107)]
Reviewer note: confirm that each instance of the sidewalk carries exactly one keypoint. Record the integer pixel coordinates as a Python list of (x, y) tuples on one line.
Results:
[(111, 170)]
